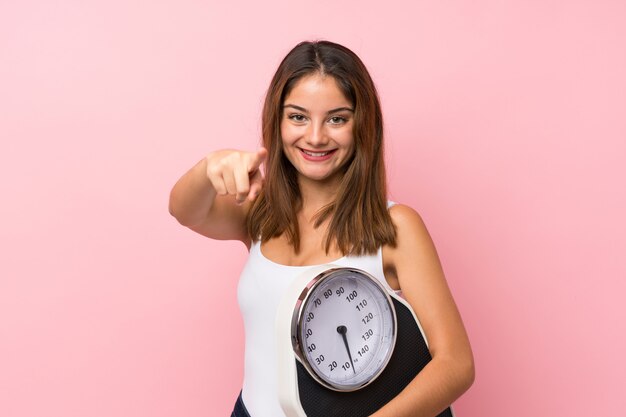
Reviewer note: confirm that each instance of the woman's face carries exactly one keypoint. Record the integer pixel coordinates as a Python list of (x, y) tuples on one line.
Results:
[(316, 128)]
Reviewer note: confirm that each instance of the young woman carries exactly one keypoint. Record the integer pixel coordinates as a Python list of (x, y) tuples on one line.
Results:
[(321, 198)]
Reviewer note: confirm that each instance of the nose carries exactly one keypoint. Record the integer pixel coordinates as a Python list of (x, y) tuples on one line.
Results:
[(316, 135)]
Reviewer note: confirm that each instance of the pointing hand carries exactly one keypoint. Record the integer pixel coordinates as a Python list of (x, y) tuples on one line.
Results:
[(236, 173)]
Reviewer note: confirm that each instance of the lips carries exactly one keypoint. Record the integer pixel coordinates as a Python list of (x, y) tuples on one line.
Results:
[(317, 156)]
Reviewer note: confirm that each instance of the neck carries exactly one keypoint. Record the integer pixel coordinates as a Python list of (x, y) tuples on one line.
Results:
[(317, 194)]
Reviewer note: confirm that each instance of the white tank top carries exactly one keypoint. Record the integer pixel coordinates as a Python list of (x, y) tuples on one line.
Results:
[(260, 290)]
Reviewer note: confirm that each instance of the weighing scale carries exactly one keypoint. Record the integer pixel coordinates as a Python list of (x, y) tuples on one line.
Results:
[(346, 345)]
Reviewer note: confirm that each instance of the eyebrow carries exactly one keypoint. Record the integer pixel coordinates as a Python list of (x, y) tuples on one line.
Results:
[(302, 109)]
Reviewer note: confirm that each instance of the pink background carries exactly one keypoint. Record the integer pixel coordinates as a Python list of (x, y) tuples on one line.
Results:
[(506, 130)]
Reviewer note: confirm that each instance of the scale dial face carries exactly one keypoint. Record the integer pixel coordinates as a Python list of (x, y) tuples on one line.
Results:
[(345, 328)]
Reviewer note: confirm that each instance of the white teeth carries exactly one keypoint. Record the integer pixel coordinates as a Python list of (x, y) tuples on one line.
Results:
[(317, 154)]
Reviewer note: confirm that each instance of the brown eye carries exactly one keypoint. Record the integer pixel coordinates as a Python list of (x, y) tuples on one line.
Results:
[(335, 120), (297, 117)]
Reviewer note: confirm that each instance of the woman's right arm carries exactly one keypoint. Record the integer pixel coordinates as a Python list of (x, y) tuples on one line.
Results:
[(214, 196)]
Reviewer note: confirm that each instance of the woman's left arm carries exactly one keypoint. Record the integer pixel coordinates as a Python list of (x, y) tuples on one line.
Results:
[(415, 264)]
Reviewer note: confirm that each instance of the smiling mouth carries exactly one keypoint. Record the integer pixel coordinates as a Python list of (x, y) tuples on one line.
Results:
[(317, 154)]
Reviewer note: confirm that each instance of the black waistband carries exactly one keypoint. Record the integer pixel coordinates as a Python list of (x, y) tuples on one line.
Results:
[(240, 409)]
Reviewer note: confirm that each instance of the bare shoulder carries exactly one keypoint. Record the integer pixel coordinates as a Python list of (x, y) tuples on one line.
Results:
[(410, 226), (414, 254), (401, 213)]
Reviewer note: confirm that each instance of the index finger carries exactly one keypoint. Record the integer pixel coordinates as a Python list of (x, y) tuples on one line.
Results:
[(257, 159)]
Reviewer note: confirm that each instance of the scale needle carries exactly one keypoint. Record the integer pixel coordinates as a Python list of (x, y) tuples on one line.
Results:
[(342, 330)]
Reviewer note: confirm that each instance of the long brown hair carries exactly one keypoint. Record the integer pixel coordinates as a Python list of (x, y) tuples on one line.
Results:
[(359, 218)]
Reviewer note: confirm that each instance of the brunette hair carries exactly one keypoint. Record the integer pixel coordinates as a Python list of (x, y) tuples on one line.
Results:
[(359, 219)]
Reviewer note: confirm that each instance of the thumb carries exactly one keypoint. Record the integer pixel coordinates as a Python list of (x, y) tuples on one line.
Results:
[(256, 184)]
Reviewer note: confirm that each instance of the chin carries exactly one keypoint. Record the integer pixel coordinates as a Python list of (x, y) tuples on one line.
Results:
[(318, 176)]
